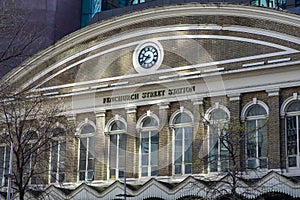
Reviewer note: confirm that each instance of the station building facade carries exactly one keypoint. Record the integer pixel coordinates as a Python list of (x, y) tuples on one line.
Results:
[(152, 93)]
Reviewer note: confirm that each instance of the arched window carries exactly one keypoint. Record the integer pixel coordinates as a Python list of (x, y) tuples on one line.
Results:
[(182, 123), (116, 129), (148, 126), (31, 138), (57, 155), (292, 128), (218, 118), (256, 114), (4, 163), (86, 151)]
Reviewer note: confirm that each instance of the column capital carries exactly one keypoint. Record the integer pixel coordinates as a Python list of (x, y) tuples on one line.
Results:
[(234, 97), (100, 113), (163, 105), (131, 109), (71, 117), (273, 92), (198, 101)]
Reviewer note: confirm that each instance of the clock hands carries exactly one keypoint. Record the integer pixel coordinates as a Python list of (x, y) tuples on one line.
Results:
[(145, 59), (148, 56)]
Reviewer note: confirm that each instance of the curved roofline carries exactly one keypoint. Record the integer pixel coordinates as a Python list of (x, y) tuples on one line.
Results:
[(189, 9)]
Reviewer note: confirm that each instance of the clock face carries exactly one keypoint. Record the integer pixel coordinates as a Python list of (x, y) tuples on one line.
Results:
[(148, 57)]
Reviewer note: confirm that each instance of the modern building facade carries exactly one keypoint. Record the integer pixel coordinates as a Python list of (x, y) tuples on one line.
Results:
[(154, 93)]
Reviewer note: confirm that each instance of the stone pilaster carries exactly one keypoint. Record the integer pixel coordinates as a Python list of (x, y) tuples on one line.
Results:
[(165, 142), (101, 149), (132, 159), (238, 152), (274, 159), (199, 151), (71, 162)]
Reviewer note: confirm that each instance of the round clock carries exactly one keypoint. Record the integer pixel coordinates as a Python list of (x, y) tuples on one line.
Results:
[(147, 57)]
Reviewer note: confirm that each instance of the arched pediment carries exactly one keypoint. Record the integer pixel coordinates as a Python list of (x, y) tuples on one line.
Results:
[(193, 41)]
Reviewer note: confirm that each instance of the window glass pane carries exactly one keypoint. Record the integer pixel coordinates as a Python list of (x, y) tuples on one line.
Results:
[(219, 114), (62, 156), (138, 1), (90, 175), (213, 164), (262, 138), (122, 151), (112, 173), (183, 118), (251, 138), (154, 137), (87, 129), (81, 176), (149, 121), (113, 151), (256, 110), (263, 163), (252, 164), (154, 171), (90, 164), (178, 146), (188, 155), (178, 158), (154, 148), (61, 177), (145, 159), (291, 135), (91, 147), (58, 131), (145, 143), (82, 156), (53, 178), (54, 156), (2, 161), (144, 171), (121, 173), (178, 169), (154, 158), (295, 106), (188, 168), (117, 125), (292, 162)]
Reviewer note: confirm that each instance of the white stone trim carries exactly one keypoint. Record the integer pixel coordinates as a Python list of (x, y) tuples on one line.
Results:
[(214, 107), (286, 50), (112, 120), (178, 112), (83, 123), (284, 105), (251, 103), (148, 114)]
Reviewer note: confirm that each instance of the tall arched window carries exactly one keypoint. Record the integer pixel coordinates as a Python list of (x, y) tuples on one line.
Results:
[(292, 129), (256, 115), (86, 151), (182, 123), (148, 126), (117, 147), (4, 163), (57, 155), (218, 118)]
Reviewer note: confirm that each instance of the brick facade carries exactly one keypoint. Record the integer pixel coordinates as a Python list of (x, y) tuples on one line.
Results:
[(234, 103)]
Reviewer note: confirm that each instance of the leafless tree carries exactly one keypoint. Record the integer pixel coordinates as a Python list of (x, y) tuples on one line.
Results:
[(28, 123), (230, 178)]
